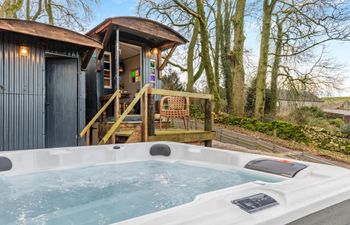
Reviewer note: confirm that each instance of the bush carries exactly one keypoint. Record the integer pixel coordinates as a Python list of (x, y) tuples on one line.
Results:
[(313, 116), (325, 139), (289, 131), (282, 129), (345, 129), (197, 111), (319, 137), (320, 122), (250, 104), (304, 114), (337, 122)]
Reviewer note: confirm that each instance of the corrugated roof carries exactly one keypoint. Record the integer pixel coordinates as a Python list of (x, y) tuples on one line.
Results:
[(155, 32), (48, 32)]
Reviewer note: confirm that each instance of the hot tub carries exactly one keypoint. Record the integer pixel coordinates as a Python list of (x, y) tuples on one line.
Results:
[(168, 183)]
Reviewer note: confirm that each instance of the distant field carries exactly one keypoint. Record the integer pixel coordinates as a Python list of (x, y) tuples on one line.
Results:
[(334, 102), (335, 99)]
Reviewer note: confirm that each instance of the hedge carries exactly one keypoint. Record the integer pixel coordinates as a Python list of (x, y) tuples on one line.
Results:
[(318, 137)]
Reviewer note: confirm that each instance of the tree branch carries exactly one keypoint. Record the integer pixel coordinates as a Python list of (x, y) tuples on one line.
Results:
[(187, 9)]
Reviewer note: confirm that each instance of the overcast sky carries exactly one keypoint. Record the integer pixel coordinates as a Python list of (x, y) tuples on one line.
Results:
[(111, 8)]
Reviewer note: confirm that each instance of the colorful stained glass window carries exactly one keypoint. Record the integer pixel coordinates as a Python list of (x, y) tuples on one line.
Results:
[(135, 75)]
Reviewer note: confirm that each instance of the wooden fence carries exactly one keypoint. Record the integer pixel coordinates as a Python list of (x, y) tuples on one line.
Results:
[(231, 137)]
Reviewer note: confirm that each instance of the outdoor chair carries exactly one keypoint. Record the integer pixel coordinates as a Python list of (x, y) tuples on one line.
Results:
[(172, 107)]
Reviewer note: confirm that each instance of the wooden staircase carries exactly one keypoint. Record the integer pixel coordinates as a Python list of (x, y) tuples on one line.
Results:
[(108, 130), (122, 134), (119, 130)]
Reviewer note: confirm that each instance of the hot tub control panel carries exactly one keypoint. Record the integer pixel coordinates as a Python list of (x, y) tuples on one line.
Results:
[(255, 203)]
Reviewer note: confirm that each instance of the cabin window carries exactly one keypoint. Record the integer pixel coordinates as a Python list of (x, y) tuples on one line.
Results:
[(135, 75), (107, 70)]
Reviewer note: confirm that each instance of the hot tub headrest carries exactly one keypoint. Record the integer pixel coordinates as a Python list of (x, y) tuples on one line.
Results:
[(5, 164), (279, 167), (160, 149)]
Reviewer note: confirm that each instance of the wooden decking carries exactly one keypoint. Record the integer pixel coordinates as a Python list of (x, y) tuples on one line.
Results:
[(181, 135), (176, 135), (146, 128)]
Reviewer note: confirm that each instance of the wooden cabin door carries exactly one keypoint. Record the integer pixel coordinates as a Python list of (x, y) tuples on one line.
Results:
[(61, 102)]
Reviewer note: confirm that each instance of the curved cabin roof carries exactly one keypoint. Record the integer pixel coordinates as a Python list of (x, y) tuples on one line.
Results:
[(153, 32), (48, 32)]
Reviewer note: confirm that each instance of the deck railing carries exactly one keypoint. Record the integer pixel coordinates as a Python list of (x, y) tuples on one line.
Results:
[(146, 95), (208, 117), (112, 130), (87, 129)]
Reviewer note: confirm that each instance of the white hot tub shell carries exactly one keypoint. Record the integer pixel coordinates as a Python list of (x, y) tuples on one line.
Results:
[(317, 194)]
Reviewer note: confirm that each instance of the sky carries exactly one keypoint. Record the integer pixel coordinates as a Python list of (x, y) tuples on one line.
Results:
[(112, 8)]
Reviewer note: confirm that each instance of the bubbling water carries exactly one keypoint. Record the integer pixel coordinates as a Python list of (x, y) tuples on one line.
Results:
[(109, 193)]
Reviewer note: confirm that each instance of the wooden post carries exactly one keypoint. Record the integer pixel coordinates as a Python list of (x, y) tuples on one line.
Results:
[(151, 121), (159, 62), (87, 137), (104, 114), (116, 107), (144, 111), (117, 59), (208, 121)]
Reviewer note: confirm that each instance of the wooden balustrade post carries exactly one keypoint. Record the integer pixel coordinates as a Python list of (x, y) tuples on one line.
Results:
[(104, 116), (144, 111), (151, 120), (87, 137), (208, 121), (117, 107)]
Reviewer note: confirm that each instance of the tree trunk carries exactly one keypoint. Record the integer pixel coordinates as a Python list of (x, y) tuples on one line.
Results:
[(204, 34), (237, 65), (218, 34), (190, 56), (48, 8), (275, 69), (10, 8), (225, 62), (4, 7), (263, 59), (28, 10), (38, 12)]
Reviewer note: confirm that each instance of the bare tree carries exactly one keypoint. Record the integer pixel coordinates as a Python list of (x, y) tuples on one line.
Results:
[(268, 8), (186, 16), (237, 66), (72, 14), (205, 48), (300, 28), (225, 48), (171, 14)]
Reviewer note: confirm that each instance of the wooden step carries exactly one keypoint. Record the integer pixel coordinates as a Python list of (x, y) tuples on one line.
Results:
[(124, 133)]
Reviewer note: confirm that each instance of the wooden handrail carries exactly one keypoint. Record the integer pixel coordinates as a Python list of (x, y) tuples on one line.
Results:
[(115, 126), (99, 113), (164, 92), (208, 121)]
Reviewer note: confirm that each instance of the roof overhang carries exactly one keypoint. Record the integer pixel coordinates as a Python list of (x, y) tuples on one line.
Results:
[(152, 32), (48, 32)]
